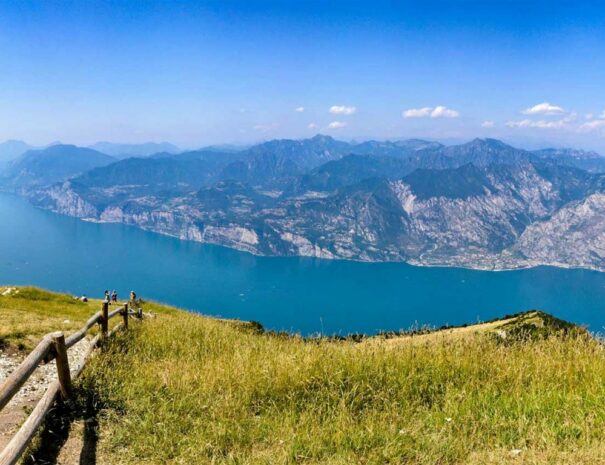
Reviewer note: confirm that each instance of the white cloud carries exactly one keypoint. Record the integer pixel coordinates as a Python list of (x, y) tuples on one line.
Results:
[(436, 112), (544, 109), (444, 112), (336, 125), (488, 124), (589, 116), (313, 126), (417, 112), (299, 109), (342, 110)]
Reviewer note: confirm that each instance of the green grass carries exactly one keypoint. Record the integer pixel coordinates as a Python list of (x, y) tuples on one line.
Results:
[(185, 389)]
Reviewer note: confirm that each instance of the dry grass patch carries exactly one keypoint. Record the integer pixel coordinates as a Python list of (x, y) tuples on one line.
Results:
[(28, 313)]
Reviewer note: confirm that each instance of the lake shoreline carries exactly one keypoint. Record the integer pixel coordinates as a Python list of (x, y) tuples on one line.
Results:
[(294, 294)]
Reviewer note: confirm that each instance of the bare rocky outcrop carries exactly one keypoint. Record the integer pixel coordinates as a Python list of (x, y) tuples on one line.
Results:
[(573, 236)]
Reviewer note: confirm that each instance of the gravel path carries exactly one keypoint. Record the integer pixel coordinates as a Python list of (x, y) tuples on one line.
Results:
[(15, 412)]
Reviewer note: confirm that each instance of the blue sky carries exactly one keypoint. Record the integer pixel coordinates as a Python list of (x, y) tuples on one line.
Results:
[(197, 73)]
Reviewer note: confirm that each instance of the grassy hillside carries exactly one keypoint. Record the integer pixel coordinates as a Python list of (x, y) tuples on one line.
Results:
[(185, 389), (27, 314)]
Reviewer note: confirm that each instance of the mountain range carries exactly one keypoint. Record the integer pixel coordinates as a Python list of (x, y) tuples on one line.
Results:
[(483, 204)]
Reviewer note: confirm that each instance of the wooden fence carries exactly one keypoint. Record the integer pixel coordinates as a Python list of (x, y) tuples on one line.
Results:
[(54, 346)]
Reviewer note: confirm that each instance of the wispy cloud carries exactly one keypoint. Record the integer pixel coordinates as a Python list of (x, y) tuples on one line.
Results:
[(342, 110), (439, 111), (593, 123), (488, 124), (313, 126), (541, 124), (265, 127), (336, 125), (299, 109), (544, 124), (544, 109)]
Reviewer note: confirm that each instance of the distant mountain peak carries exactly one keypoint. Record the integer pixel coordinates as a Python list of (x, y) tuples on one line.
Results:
[(322, 137), (58, 146), (489, 143)]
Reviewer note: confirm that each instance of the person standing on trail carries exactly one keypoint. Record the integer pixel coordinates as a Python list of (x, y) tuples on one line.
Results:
[(106, 298), (114, 297)]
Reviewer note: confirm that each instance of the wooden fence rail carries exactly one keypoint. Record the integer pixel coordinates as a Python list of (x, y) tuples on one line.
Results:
[(54, 346)]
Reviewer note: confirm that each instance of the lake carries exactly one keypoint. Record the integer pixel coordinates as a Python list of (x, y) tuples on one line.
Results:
[(293, 294)]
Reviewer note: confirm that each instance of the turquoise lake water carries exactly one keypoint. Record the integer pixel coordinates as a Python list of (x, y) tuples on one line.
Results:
[(293, 294)]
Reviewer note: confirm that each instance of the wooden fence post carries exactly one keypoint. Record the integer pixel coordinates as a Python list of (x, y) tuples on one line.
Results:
[(105, 320), (62, 364), (125, 315)]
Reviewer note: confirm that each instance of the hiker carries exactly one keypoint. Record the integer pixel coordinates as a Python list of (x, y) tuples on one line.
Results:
[(114, 297), (134, 304), (106, 298)]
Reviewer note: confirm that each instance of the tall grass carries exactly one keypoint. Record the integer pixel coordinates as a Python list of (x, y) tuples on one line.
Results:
[(186, 389)]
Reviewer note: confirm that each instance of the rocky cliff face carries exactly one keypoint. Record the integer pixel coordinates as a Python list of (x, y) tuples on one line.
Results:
[(573, 236), (492, 217)]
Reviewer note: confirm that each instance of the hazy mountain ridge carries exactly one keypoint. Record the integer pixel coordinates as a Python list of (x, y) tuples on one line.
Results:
[(483, 204), (146, 149), (52, 164), (12, 149)]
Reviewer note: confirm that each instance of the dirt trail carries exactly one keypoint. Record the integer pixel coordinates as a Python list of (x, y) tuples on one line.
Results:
[(18, 408)]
